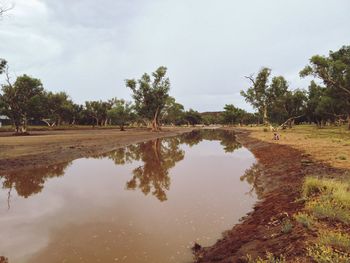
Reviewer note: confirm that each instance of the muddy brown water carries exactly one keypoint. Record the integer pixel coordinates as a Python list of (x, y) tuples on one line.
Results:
[(147, 202)]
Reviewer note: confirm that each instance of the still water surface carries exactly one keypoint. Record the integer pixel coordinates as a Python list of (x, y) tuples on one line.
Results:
[(147, 202)]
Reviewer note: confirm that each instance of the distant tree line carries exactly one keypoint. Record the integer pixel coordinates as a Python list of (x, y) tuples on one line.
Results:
[(26, 101)]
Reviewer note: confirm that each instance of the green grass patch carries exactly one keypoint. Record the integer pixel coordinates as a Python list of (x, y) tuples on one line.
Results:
[(328, 198), (326, 254), (305, 219), (328, 210), (336, 240), (269, 258)]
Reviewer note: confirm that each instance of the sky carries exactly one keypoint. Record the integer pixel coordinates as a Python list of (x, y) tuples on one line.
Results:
[(88, 48)]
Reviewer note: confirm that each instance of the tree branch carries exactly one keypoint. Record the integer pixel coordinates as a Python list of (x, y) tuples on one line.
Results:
[(251, 78)]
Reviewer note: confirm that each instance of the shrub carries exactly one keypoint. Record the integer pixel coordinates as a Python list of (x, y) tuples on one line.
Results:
[(286, 227)]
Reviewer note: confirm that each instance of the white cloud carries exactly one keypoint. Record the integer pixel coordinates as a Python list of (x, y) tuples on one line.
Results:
[(88, 48)]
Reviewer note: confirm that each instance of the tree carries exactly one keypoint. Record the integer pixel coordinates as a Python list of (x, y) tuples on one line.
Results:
[(334, 71), (150, 96), (3, 64), (59, 108), (192, 117), (257, 95), (18, 99), (97, 110), (273, 100), (230, 114), (121, 113), (173, 112), (4, 8)]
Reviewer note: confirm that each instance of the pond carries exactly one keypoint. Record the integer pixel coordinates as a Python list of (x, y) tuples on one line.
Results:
[(147, 202)]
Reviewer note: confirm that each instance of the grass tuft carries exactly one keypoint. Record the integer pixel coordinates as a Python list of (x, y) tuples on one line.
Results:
[(305, 219)]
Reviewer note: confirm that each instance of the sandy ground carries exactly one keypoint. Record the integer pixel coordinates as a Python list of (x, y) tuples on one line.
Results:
[(44, 148)]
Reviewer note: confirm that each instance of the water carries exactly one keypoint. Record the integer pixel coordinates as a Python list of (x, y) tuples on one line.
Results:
[(147, 202)]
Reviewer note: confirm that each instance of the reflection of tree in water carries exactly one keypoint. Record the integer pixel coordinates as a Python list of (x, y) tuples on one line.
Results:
[(251, 175), (29, 182), (227, 138), (160, 155)]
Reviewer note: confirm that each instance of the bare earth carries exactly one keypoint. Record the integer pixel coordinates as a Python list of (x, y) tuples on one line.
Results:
[(43, 148)]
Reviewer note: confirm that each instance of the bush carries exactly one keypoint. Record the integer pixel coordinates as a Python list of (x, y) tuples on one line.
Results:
[(286, 227)]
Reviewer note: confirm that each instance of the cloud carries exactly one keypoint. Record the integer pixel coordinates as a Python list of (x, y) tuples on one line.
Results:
[(88, 48)]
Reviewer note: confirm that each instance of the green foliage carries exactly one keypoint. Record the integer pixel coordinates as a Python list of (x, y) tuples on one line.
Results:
[(329, 199), (121, 113), (233, 115), (325, 254), (192, 117), (173, 112), (269, 258), (305, 219), (273, 100), (286, 226), (336, 240), (334, 71), (18, 99), (3, 64), (150, 95)]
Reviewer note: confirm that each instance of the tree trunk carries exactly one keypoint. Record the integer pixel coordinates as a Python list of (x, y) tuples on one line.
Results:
[(122, 127), (155, 125), (265, 115)]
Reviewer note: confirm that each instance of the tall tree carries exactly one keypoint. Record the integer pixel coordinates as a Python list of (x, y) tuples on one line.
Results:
[(257, 95), (150, 95), (334, 71)]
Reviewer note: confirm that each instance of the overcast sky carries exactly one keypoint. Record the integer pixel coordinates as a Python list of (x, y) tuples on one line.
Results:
[(88, 48)]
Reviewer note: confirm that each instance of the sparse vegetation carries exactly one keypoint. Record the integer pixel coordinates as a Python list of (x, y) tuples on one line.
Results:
[(269, 258), (305, 219), (286, 226), (337, 240), (326, 254)]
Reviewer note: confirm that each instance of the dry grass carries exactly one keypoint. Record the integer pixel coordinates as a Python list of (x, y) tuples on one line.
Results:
[(330, 145)]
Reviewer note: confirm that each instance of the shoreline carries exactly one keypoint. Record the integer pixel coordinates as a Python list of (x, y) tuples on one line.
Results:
[(29, 152), (277, 178)]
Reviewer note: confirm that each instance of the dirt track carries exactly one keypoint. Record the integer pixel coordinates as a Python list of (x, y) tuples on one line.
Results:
[(277, 179), (44, 148)]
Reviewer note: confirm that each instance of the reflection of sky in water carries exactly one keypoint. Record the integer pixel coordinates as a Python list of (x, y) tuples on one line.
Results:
[(88, 215)]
